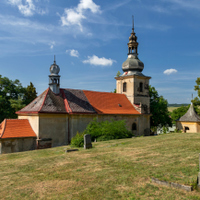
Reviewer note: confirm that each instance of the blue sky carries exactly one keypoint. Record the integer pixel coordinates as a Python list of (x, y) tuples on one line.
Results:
[(89, 39)]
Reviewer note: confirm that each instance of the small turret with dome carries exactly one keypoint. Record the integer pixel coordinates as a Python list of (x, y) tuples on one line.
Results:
[(54, 78), (132, 65), (54, 69)]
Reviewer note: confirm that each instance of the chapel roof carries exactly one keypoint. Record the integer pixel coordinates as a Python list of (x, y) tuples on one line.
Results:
[(74, 101), (110, 103), (190, 115), (16, 128)]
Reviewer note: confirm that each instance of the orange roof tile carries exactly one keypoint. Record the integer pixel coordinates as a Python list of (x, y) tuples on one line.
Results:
[(80, 101), (16, 128), (110, 103)]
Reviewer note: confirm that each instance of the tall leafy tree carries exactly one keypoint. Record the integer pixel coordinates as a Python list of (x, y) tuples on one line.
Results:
[(158, 108), (30, 93), (196, 100), (13, 97)]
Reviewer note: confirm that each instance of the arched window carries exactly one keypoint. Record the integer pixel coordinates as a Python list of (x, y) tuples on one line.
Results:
[(141, 87), (124, 87), (134, 127)]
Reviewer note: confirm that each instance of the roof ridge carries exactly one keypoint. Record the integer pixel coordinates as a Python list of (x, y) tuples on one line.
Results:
[(19, 111), (4, 128), (112, 93), (89, 90), (67, 107), (43, 100)]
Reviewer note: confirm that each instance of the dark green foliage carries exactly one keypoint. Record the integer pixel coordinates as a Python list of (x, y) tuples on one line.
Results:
[(30, 93), (13, 97), (78, 140), (196, 100), (9, 90), (158, 108), (102, 131), (179, 112), (107, 130)]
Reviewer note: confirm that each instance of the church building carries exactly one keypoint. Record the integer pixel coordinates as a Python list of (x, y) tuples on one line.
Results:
[(57, 114)]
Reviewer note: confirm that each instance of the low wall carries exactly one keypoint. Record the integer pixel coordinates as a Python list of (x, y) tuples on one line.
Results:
[(17, 145)]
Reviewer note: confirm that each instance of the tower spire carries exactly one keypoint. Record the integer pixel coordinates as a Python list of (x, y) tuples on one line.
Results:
[(132, 45), (132, 65), (133, 23)]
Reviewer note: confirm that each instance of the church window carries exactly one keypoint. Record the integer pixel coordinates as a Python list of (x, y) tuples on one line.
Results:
[(134, 127), (124, 87), (141, 87)]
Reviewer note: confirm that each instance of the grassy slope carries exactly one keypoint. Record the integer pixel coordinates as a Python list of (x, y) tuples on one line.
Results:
[(117, 169)]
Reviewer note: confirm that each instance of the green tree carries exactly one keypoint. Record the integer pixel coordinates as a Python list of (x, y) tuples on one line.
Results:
[(158, 108), (13, 97), (197, 86), (9, 90), (196, 100), (30, 94), (179, 112)]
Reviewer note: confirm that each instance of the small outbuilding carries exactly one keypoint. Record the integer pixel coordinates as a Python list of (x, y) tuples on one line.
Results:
[(16, 135), (190, 122)]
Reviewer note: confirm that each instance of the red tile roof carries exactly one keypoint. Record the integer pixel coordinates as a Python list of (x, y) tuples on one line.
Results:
[(47, 102), (110, 103), (80, 101), (16, 128)]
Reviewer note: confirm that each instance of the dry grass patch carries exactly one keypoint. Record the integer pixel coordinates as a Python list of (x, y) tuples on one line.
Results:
[(117, 169)]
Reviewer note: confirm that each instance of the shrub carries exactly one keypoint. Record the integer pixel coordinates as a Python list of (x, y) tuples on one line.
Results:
[(102, 131), (165, 129), (78, 140), (106, 130)]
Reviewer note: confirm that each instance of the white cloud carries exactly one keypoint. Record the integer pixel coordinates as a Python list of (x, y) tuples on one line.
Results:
[(76, 15), (52, 45), (95, 60), (73, 53), (170, 71), (88, 4), (72, 17), (26, 7)]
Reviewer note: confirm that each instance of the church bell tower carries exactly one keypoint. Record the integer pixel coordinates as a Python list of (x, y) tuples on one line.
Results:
[(132, 82), (54, 78)]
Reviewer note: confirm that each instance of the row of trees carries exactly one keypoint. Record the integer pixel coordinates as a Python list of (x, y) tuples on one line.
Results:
[(13, 97)]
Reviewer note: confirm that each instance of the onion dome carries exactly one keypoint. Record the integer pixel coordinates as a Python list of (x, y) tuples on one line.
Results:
[(54, 69), (132, 65)]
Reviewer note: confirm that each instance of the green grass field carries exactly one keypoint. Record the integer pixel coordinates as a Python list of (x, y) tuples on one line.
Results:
[(117, 169)]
